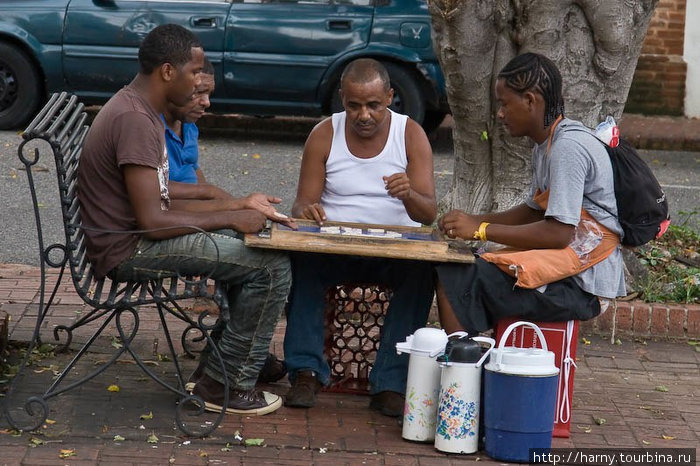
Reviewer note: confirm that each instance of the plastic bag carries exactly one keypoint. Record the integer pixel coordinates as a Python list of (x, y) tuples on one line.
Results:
[(608, 132)]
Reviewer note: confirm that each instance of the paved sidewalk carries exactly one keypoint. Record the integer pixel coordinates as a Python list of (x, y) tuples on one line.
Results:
[(640, 393)]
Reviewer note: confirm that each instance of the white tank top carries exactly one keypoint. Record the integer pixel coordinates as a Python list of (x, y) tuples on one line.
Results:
[(355, 190)]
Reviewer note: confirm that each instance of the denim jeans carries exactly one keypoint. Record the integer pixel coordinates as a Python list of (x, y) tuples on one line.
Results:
[(412, 285), (257, 281)]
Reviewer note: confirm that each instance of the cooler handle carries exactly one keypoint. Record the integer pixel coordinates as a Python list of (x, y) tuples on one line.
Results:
[(513, 326), (491, 342)]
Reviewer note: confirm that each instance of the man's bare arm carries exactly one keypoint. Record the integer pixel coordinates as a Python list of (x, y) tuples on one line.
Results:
[(416, 188), (144, 196), (312, 176)]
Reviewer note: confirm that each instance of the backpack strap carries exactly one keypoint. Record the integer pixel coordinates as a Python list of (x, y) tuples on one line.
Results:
[(580, 130)]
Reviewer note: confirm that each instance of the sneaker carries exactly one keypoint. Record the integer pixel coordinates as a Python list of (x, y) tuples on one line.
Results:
[(273, 370), (388, 403), (304, 389), (251, 402)]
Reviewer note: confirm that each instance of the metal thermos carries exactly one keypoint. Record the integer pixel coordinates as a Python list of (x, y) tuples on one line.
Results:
[(457, 428), (423, 382)]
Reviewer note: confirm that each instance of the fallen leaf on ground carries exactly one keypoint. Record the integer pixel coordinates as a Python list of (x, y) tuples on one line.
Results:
[(119, 438), (586, 341), (253, 442), (599, 420), (50, 421), (153, 438), (35, 441), (645, 442), (147, 416), (203, 454), (661, 388), (256, 156), (66, 453), (668, 437), (113, 388)]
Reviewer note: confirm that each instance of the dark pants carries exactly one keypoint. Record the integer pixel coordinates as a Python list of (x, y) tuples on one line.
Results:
[(481, 294), (412, 286)]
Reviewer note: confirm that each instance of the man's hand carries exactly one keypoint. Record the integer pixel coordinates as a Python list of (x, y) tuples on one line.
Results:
[(246, 221), (457, 224), (398, 185), (263, 204), (314, 212)]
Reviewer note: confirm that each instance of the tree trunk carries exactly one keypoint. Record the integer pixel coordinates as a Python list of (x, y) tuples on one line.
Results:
[(595, 44)]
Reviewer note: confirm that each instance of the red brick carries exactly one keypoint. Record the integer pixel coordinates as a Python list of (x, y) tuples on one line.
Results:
[(676, 321), (659, 320), (694, 322), (604, 320), (624, 316), (641, 319)]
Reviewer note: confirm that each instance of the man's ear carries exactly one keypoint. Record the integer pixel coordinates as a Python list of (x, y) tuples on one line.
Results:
[(167, 72), (390, 97)]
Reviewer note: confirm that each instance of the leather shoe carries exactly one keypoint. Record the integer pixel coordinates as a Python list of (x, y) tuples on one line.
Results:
[(273, 370), (388, 403), (248, 402), (305, 387)]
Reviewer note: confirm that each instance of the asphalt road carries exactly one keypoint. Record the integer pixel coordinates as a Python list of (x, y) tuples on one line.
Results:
[(260, 155)]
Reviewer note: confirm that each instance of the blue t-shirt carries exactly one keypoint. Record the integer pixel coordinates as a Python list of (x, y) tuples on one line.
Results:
[(183, 154)]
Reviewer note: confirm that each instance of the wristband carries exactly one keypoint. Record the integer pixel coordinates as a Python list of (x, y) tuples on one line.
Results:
[(480, 234)]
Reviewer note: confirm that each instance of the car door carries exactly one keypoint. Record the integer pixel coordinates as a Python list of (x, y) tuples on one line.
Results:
[(101, 38), (277, 51)]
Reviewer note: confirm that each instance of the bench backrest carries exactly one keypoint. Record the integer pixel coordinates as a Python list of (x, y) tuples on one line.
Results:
[(62, 122)]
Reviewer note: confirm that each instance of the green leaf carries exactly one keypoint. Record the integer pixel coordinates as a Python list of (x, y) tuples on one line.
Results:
[(153, 438), (253, 442), (147, 416), (484, 136), (661, 388), (599, 420), (119, 438)]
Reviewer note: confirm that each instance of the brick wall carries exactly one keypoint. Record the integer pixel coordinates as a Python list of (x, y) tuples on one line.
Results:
[(658, 86)]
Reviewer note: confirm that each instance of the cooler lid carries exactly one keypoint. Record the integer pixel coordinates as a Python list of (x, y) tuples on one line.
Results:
[(535, 362)]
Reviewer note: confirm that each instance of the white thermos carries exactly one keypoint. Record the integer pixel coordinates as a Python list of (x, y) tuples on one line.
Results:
[(423, 383), (459, 403)]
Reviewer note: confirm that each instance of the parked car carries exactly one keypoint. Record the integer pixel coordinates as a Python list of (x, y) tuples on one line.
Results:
[(272, 57)]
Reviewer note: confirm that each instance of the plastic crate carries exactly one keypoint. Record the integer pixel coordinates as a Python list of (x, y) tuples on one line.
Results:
[(354, 318)]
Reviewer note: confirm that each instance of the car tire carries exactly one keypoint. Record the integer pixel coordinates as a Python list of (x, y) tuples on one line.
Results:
[(20, 88), (408, 98), (432, 120)]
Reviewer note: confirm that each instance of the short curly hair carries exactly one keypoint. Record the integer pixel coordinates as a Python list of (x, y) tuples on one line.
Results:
[(167, 43)]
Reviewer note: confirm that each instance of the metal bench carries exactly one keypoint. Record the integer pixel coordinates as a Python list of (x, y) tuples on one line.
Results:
[(62, 124)]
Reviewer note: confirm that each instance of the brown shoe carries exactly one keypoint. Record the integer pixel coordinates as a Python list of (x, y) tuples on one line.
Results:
[(252, 402), (273, 370), (388, 403), (305, 387)]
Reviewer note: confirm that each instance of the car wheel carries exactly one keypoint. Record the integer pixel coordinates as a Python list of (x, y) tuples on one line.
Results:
[(20, 89), (432, 120), (408, 98)]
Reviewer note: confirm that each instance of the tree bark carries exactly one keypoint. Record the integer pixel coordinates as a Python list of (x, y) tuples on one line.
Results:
[(595, 44)]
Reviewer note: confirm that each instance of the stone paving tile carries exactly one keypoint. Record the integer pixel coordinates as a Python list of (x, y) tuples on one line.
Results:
[(613, 382)]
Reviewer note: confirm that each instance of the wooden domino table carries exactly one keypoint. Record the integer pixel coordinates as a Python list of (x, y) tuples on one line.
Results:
[(418, 243)]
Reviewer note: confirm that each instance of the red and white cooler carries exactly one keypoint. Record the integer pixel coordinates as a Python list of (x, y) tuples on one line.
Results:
[(561, 338)]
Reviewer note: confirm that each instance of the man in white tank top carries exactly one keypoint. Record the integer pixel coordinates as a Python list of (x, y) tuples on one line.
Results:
[(368, 165)]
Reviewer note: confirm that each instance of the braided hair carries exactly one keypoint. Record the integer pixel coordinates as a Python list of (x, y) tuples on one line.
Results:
[(532, 71)]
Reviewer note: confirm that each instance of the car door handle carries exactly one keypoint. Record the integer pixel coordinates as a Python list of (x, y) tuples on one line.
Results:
[(339, 24), (203, 22)]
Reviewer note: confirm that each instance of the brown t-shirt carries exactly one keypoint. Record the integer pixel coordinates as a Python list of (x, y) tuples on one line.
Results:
[(127, 130)]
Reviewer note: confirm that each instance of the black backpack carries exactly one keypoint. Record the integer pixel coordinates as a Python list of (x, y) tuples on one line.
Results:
[(641, 203)]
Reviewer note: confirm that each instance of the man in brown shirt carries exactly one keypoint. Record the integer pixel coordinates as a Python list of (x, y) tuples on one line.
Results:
[(123, 186)]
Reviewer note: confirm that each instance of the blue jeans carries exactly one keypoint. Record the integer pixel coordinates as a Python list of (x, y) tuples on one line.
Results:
[(257, 281), (412, 285)]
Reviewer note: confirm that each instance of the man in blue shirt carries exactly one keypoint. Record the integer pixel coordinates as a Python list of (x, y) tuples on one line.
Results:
[(181, 141)]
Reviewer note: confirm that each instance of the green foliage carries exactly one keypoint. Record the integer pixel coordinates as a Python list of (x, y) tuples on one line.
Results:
[(673, 263)]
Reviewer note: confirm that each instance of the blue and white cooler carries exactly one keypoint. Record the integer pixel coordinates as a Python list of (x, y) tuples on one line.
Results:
[(520, 397)]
